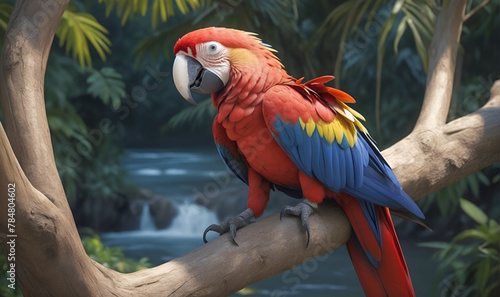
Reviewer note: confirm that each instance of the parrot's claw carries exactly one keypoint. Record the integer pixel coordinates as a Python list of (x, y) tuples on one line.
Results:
[(302, 210), (231, 225)]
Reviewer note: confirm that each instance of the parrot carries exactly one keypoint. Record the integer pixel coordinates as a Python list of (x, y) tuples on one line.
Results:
[(276, 132)]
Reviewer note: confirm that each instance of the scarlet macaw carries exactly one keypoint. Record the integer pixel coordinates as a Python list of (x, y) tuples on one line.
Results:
[(275, 132)]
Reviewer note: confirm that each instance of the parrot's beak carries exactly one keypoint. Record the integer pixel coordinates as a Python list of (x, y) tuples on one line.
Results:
[(189, 75)]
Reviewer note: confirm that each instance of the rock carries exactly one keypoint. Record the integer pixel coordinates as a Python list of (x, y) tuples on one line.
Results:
[(122, 212), (163, 212), (226, 198), (230, 198)]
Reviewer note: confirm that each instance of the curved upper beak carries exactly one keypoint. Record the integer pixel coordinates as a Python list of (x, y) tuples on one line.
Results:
[(189, 75)]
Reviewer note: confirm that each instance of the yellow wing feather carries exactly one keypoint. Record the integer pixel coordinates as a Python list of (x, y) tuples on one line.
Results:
[(337, 129)]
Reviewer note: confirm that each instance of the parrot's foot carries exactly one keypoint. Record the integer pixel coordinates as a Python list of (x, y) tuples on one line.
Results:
[(303, 210), (231, 225)]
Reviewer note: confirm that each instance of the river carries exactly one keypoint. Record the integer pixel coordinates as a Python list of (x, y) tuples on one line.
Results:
[(178, 174)]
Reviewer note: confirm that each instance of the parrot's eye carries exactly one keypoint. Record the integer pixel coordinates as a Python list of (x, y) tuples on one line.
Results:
[(213, 47)]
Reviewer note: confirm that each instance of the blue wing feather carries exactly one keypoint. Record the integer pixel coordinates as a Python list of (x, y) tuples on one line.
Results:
[(305, 151), (358, 164), (342, 170), (349, 168), (299, 134), (333, 179), (317, 155), (235, 163), (360, 171)]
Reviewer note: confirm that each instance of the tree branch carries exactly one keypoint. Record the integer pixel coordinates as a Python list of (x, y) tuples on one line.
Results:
[(266, 248), (475, 9), (50, 260), (430, 159), (441, 68)]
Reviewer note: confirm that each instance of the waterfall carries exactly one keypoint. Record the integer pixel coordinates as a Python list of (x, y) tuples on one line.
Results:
[(147, 223), (191, 220)]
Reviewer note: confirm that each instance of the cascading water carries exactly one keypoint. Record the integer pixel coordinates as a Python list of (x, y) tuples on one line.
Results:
[(190, 221), (147, 222)]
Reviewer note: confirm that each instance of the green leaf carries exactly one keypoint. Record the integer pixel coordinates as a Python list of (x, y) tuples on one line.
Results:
[(347, 28), (470, 233), (164, 9), (490, 290), (111, 257), (76, 30), (107, 85), (419, 43), (490, 252), (193, 115), (495, 179), (473, 183), (483, 178), (443, 203), (5, 11), (473, 211), (435, 244), (399, 32), (384, 32), (397, 6), (372, 13), (494, 228), (482, 275)]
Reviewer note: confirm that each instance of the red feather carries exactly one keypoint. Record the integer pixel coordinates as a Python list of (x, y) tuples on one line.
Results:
[(391, 278), (360, 225)]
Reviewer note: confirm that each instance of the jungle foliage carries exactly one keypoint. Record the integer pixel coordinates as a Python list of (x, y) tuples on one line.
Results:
[(469, 263)]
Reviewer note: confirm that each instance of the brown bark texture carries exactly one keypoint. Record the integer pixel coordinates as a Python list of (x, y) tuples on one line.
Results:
[(50, 259)]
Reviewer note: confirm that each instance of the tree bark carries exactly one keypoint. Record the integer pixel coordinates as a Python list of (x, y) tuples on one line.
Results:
[(441, 69), (23, 61), (50, 260)]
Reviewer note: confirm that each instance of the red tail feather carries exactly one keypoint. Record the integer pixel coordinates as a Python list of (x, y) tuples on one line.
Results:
[(391, 278)]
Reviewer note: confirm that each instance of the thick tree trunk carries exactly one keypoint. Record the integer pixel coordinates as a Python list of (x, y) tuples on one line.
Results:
[(50, 260)]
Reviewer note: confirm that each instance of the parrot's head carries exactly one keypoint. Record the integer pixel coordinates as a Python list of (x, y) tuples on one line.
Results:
[(207, 59)]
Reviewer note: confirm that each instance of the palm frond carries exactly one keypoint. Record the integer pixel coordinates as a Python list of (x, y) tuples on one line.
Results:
[(160, 9), (126, 9), (153, 46), (419, 16), (343, 22), (5, 11), (76, 30), (194, 116), (251, 15)]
